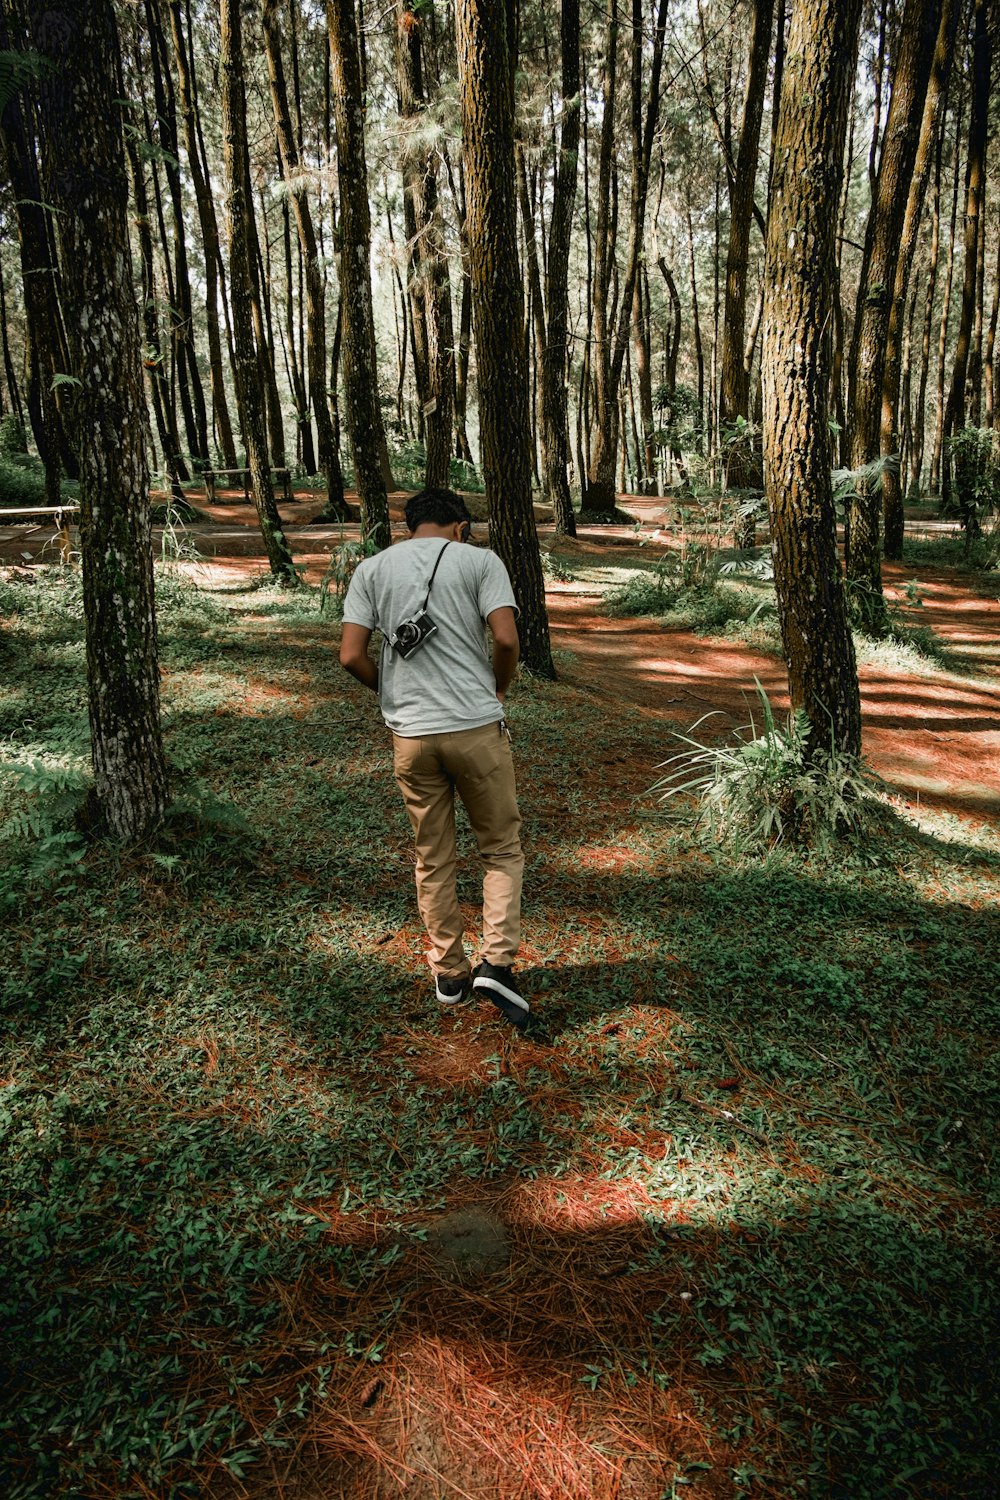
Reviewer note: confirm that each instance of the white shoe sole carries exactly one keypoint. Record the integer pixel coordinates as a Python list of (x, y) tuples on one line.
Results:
[(494, 987)]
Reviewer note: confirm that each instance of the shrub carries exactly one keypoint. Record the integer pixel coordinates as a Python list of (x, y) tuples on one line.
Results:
[(767, 789), (13, 438), (975, 494)]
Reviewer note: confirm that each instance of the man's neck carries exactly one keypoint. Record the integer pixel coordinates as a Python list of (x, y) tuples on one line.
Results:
[(427, 528)]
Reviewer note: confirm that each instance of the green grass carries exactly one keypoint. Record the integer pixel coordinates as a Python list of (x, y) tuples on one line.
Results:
[(748, 1164)]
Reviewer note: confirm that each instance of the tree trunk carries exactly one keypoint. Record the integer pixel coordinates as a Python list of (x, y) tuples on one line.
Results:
[(182, 314), (364, 414), (428, 253), (598, 494), (86, 184), (800, 279), (641, 333), (315, 284), (942, 350), (555, 364), (239, 212), (911, 71), (936, 93), (485, 86), (39, 279), (152, 354), (209, 238), (743, 470), (917, 459), (982, 56)]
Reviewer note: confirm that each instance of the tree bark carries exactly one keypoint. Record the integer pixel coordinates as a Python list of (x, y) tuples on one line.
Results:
[(937, 88), (86, 183), (910, 74), (364, 414), (239, 212), (800, 278), (486, 94)]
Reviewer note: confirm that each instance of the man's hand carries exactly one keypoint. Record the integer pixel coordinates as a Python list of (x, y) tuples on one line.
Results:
[(354, 656), (506, 647)]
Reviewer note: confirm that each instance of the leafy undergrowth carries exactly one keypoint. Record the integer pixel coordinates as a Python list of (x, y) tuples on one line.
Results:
[(729, 1209)]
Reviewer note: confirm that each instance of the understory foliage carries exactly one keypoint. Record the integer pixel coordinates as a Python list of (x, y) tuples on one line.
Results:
[(742, 1178), (767, 788)]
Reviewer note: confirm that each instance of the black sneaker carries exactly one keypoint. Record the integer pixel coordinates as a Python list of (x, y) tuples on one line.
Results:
[(497, 983), (451, 992)]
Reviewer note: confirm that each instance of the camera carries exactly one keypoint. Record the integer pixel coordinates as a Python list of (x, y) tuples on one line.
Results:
[(410, 634)]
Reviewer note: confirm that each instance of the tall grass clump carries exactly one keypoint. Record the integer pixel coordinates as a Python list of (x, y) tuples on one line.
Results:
[(767, 788)]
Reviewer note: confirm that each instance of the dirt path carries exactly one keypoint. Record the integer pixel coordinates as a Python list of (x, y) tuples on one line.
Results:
[(933, 736)]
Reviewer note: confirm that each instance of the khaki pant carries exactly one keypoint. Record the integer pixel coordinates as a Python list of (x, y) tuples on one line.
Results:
[(477, 763)]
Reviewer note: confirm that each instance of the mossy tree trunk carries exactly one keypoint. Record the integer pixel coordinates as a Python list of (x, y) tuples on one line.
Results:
[(364, 414), (85, 181), (800, 282), (485, 86)]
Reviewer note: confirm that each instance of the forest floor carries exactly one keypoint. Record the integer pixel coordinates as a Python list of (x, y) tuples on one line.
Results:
[(723, 1223)]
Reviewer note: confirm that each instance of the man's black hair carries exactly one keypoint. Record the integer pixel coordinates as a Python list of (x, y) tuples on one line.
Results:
[(440, 507)]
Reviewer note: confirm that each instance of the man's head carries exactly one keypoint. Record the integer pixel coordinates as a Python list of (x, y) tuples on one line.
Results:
[(438, 512)]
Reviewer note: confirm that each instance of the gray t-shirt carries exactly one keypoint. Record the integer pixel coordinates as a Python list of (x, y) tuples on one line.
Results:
[(447, 684)]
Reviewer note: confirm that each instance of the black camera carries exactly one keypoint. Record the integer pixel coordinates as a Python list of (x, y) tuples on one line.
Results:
[(410, 634)]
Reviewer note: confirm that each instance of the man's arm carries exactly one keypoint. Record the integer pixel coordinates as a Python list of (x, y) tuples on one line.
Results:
[(354, 656), (506, 646)]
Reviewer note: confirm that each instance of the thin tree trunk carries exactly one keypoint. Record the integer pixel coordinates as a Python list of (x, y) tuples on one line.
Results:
[(555, 365), (599, 492), (152, 354), (485, 71), (917, 461), (644, 378), (988, 371), (743, 471), (86, 184), (336, 506), (800, 277), (430, 263), (39, 279), (936, 94), (239, 213), (982, 56), (942, 350), (209, 238), (182, 313), (911, 71), (364, 414)]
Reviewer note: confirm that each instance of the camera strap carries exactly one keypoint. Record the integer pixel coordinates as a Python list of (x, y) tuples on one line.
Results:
[(434, 570)]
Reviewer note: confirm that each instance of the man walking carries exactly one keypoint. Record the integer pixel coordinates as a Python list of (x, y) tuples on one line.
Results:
[(441, 693)]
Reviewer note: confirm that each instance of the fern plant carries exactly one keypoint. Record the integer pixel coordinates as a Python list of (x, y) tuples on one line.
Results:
[(47, 794)]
